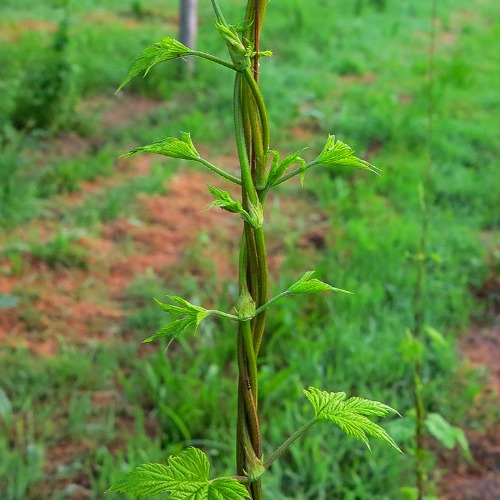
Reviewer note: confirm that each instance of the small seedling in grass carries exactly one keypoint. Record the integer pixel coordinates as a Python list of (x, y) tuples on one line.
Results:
[(422, 337), (261, 169)]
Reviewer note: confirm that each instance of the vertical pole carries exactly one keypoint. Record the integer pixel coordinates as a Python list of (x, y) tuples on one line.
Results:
[(188, 26)]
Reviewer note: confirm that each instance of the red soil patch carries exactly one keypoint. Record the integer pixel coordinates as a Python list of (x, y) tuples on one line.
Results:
[(69, 145), (480, 348), (15, 30), (83, 305), (477, 481), (126, 108)]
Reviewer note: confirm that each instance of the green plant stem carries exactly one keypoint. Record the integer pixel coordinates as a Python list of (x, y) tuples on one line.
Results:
[(259, 100), (418, 305), (279, 451), (217, 170), (252, 140), (263, 288), (420, 468), (270, 302), (210, 57), (218, 12), (246, 173), (223, 314), (295, 172), (250, 354), (247, 392)]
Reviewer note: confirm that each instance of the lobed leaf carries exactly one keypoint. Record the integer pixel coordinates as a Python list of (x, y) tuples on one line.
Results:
[(174, 329), (351, 415), (226, 488), (308, 284), (254, 216), (185, 478), (145, 480), (164, 50), (369, 407), (186, 306), (171, 146), (278, 169), (223, 200), (336, 153), (192, 316)]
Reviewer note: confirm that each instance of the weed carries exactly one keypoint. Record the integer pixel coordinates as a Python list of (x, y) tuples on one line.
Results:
[(61, 250), (48, 95), (17, 194)]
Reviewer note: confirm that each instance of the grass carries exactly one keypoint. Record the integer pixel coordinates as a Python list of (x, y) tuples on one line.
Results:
[(372, 231)]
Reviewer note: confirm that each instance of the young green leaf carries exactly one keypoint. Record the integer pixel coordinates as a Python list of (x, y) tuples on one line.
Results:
[(255, 215), (350, 415), (279, 168), (174, 329), (223, 200), (145, 480), (240, 55), (164, 50), (336, 153), (185, 478), (308, 284), (192, 317), (171, 146), (448, 435)]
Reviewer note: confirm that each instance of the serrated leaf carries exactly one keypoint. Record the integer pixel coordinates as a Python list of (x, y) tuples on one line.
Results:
[(350, 415), (369, 407), (223, 200), (185, 478), (278, 169), (174, 329), (308, 284), (254, 216), (164, 50), (226, 488), (145, 480), (171, 147), (336, 153), (192, 316), (170, 308), (186, 306)]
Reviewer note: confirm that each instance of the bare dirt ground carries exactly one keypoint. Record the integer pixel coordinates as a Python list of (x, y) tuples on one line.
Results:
[(85, 305), (481, 349)]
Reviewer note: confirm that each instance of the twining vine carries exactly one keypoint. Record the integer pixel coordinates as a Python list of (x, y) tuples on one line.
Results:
[(261, 169)]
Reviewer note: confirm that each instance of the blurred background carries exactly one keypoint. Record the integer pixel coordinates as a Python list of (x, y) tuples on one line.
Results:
[(86, 241)]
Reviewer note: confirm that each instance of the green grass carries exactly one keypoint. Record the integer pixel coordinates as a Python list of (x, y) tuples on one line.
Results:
[(314, 81)]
